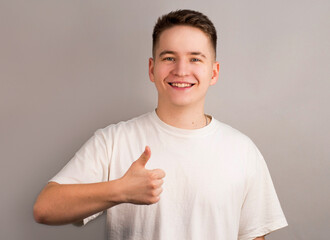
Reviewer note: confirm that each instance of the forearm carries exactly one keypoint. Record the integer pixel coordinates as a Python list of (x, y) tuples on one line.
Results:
[(68, 203)]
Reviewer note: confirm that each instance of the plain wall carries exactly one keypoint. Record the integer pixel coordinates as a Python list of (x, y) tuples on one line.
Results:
[(68, 68)]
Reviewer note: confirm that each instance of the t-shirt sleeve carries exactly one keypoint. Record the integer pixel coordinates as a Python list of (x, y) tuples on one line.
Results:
[(261, 212), (89, 165)]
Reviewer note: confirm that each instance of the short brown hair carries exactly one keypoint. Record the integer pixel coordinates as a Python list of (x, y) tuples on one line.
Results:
[(184, 17)]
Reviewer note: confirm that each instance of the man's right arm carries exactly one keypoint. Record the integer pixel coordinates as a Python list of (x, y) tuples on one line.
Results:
[(69, 203)]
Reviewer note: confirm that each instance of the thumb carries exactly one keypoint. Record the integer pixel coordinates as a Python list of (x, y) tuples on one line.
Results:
[(145, 156)]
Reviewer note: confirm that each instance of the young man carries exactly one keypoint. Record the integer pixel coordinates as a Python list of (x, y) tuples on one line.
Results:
[(217, 185)]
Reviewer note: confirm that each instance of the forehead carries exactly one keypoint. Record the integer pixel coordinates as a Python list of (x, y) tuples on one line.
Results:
[(184, 39)]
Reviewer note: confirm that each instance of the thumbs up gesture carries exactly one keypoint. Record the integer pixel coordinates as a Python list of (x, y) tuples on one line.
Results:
[(140, 185)]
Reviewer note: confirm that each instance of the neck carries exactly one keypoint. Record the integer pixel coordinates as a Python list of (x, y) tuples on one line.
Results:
[(185, 118)]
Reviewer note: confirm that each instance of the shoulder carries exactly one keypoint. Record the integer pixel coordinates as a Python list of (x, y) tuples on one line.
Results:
[(233, 135), (127, 126), (242, 147)]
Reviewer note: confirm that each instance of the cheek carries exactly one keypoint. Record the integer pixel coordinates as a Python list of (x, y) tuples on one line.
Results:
[(203, 74), (162, 72)]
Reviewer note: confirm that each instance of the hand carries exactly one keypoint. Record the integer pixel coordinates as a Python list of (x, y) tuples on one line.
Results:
[(140, 185)]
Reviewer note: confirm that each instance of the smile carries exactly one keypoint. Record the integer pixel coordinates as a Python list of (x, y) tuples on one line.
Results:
[(181, 85)]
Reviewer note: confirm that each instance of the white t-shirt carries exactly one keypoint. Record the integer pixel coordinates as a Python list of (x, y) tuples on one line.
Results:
[(217, 184)]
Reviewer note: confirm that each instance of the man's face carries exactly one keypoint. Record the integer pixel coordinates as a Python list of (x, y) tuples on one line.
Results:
[(183, 67)]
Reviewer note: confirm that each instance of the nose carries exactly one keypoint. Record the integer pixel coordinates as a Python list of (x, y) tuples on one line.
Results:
[(181, 68)]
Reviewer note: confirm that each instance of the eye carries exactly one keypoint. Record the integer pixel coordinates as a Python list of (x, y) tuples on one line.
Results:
[(195, 60), (171, 59)]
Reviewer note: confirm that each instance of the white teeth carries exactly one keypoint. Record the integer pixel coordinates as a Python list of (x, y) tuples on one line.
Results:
[(181, 85)]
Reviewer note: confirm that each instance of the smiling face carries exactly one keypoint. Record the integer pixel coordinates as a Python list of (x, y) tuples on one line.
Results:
[(183, 67)]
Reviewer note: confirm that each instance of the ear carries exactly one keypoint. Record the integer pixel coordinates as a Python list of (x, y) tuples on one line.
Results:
[(215, 73), (151, 69)]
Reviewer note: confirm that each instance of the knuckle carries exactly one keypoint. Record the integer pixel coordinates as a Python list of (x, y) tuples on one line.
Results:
[(153, 175), (154, 200), (153, 185), (154, 194), (148, 202), (161, 174)]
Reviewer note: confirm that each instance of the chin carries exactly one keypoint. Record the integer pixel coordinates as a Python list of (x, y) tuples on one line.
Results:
[(183, 103)]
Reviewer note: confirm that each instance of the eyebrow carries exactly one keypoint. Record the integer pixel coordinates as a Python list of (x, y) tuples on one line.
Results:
[(190, 53), (197, 54), (166, 52)]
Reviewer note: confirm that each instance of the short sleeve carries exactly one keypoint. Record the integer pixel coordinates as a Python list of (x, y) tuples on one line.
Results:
[(89, 165), (261, 212)]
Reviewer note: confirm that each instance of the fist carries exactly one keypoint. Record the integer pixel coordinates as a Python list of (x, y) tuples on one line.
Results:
[(140, 185)]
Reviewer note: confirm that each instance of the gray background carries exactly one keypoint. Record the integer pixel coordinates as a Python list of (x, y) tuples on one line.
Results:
[(68, 68)]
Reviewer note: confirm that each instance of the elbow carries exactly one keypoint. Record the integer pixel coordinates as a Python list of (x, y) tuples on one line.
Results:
[(39, 214), (42, 206)]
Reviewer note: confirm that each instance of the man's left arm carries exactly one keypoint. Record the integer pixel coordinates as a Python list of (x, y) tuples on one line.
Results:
[(261, 212)]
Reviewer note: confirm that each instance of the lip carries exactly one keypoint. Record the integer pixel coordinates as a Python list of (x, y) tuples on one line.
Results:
[(174, 85), (180, 82)]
